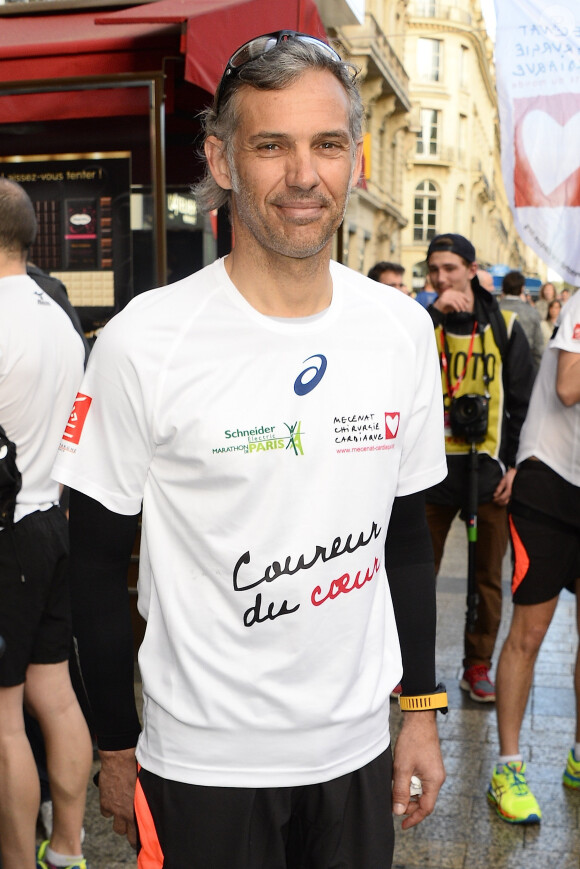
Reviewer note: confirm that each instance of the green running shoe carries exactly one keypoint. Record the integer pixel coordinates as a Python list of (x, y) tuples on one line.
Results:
[(510, 795), (43, 863), (571, 777)]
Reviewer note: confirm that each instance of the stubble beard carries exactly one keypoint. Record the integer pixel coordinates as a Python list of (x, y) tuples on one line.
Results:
[(273, 238)]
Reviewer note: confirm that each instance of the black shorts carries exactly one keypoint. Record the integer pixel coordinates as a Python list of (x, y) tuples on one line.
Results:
[(545, 532), (35, 619), (345, 822)]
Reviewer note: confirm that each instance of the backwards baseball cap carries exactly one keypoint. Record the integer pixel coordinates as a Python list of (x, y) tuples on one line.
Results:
[(453, 243)]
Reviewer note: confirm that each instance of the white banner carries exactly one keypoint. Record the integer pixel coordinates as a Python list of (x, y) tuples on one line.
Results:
[(538, 84)]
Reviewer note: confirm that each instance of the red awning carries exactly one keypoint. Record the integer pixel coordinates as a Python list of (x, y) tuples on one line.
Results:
[(215, 28), (46, 48), (62, 46), (164, 11)]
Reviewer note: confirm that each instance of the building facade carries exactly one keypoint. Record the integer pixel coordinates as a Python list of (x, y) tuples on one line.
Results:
[(432, 153), (377, 215), (453, 180), (432, 150)]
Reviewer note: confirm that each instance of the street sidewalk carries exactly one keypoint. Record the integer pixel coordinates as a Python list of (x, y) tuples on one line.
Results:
[(464, 832)]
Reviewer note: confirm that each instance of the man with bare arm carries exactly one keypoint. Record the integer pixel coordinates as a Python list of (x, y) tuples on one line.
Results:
[(545, 532), (41, 365)]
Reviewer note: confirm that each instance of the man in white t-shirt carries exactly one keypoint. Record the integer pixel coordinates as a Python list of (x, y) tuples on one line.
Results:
[(545, 530), (41, 366), (270, 414)]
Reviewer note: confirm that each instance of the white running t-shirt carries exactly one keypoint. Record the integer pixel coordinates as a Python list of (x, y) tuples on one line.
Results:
[(41, 367), (551, 431), (267, 455)]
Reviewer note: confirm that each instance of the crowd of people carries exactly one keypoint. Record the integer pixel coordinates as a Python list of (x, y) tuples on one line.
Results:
[(238, 415), (544, 307), (534, 430)]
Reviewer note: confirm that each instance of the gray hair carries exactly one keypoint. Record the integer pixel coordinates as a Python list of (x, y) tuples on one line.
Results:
[(18, 224), (275, 70)]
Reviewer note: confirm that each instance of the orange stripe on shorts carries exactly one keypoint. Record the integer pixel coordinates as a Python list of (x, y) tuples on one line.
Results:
[(522, 559), (150, 855)]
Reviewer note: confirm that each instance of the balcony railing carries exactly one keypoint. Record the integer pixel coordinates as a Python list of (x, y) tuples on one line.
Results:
[(445, 154), (369, 39)]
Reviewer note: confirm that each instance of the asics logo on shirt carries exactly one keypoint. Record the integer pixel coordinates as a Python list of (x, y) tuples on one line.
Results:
[(311, 376)]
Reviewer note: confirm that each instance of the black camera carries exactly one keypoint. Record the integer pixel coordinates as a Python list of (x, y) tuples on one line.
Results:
[(468, 417)]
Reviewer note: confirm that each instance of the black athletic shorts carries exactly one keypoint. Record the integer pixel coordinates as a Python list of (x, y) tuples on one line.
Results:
[(346, 822), (35, 619), (545, 532)]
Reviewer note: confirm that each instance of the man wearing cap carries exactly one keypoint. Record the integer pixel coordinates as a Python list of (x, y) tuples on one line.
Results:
[(487, 375)]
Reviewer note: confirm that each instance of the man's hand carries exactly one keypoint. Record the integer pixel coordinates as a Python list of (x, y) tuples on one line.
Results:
[(117, 780), (417, 752), (452, 300), (503, 492)]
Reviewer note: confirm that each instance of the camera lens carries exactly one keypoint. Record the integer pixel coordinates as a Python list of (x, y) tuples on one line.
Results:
[(468, 409), (469, 417)]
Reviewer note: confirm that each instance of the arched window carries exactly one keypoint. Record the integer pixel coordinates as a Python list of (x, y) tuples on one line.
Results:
[(425, 212)]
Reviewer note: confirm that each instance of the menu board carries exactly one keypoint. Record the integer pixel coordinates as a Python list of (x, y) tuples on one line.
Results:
[(82, 207)]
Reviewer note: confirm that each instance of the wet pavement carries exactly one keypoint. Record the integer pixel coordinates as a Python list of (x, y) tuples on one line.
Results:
[(464, 832)]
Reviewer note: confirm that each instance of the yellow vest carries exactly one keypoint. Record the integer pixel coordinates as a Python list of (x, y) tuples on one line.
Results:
[(473, 380)]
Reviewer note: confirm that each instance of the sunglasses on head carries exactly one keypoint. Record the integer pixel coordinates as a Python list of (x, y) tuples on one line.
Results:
[(261, 45)]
